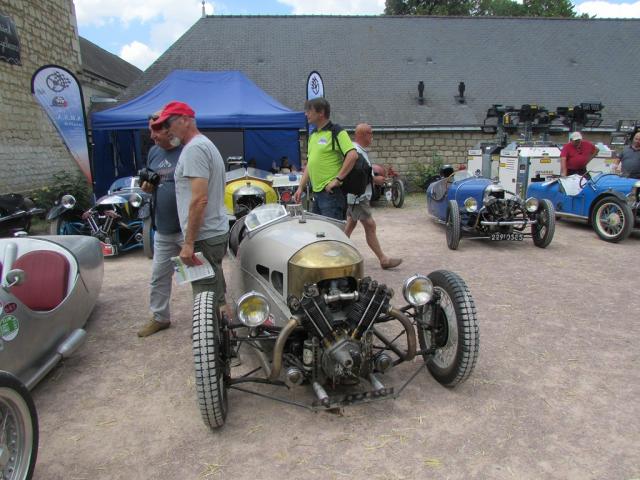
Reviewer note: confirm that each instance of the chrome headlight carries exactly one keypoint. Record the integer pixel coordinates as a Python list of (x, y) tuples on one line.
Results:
[(135, 200), (470, 204), (68, 201), (252, 309), (417, 290), (531, 204)]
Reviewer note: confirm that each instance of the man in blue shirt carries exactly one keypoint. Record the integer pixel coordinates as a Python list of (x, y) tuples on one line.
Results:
[(162, 159)]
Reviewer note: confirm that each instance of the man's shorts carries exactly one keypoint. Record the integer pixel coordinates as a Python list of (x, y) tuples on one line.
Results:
[(359, 211), (213, 249)]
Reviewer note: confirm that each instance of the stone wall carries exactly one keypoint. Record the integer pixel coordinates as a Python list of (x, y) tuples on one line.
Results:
[(403, 150), (30, 148)]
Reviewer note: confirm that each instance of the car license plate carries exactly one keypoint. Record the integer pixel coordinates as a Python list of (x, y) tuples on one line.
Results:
[(389, 195), (518, 237), (107, 249)]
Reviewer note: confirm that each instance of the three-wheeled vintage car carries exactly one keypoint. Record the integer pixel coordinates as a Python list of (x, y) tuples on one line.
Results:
[(48, 288), (122, 220), (610, 203), (482, 208), (313, 318)]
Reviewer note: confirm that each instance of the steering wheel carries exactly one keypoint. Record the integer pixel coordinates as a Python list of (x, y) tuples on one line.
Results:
[(584, 179)]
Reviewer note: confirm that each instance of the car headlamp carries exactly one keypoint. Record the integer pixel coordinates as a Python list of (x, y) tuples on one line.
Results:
[(68, 201), (252, 309), (417, 290), (470, 204), (135, 200), (531, 204)]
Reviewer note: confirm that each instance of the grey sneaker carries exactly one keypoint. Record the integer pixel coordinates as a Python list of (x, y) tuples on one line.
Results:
[(152, 327)]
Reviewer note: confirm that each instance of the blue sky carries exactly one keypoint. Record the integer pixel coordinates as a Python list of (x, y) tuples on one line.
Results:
[(141, 30)]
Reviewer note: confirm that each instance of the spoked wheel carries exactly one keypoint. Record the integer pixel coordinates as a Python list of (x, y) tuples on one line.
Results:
[(449, 329), (18, 429), (453, 225), (397, 193), (68, 226), (210, 364), (612, 219), (542, 232), (148, 233), (59, 226)]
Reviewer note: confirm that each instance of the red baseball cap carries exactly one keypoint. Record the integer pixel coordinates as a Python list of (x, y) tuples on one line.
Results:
[(171, 109)]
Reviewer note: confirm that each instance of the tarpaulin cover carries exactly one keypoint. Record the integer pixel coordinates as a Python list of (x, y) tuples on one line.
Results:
[(220, 99)]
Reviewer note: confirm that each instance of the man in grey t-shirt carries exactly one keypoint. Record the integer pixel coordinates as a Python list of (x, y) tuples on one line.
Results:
[(200, 182), (167, 241), (629, 160)]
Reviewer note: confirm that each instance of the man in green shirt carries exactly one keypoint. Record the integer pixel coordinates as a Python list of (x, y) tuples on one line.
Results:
[(329, 161)]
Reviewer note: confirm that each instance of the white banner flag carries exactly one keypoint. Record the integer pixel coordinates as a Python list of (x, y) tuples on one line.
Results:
[(59, 93)]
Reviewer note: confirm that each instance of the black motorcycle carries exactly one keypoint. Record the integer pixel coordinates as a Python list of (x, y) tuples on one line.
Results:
[(16, 213)]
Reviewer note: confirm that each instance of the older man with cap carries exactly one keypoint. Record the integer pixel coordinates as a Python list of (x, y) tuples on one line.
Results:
[(200, 182), (576, 154)]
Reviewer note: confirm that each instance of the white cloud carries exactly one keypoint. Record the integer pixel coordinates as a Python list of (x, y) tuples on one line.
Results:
[(167, 21), (610, 10), (335, 7), (139, 54)]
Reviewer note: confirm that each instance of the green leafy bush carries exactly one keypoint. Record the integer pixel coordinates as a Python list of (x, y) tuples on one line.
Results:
[(422, 174), (62, 183)]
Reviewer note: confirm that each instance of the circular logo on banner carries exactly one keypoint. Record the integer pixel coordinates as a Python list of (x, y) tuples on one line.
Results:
[(315, 87), (9, 327)]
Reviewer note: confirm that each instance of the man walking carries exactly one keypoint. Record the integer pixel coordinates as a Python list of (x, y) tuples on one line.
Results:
[(358, 208), (329, 160), (200, 182), (167, 242)]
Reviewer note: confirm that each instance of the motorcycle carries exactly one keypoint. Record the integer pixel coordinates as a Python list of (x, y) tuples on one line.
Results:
[(122, 219), (16, 213), (386, 182)]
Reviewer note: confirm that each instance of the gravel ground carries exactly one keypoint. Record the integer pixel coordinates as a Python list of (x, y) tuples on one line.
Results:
[(554, 394)]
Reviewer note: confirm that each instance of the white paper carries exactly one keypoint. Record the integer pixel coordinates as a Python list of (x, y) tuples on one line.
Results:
[(186, 273)]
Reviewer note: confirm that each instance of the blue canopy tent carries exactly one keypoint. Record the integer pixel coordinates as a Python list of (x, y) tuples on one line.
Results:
[(223, 101)]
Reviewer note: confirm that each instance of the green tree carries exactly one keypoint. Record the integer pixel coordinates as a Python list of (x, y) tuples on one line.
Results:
[(506, 8), (428, 7)]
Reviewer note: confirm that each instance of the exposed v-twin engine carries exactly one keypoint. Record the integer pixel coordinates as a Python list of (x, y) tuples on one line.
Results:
[(340, 342)]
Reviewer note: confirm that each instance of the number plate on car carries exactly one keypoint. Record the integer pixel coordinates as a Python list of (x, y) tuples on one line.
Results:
[(518, 237)]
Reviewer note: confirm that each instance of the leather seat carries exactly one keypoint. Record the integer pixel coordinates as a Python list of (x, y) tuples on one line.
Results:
[(46, 279)]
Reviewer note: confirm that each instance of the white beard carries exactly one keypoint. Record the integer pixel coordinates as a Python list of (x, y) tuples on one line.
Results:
[(174, 141)]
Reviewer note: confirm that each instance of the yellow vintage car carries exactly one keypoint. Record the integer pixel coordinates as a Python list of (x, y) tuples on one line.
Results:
[(247, 188)]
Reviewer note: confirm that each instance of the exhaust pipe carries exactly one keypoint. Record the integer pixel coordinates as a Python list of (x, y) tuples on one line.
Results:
[(411, 333), (276, 365)]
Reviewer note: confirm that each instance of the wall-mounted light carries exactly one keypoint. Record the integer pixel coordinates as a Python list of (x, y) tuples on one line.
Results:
[(460, 97)]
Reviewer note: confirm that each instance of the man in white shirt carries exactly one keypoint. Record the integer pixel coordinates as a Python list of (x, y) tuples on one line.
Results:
[(358, 207)]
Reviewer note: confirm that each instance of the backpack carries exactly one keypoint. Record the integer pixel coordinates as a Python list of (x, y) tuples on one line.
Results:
[(360, 175)]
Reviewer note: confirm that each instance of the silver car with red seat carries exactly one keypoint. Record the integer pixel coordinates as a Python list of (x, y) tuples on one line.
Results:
[(48, 288)]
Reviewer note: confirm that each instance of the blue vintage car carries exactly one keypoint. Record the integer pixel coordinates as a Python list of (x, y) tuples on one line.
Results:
[(610, 203), (482, 208)]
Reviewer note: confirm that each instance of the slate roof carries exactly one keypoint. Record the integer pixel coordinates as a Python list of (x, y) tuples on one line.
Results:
[(106, 65), (371, 65)]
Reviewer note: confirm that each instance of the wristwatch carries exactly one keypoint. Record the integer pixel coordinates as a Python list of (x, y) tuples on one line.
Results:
[(340, 180)]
